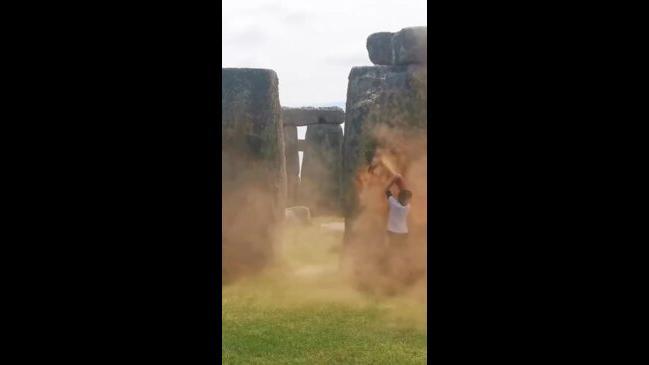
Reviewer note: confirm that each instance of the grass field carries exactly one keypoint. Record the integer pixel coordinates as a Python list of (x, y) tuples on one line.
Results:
[(304, 311)]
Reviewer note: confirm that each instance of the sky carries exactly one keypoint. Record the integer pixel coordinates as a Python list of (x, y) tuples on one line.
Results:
[(311, 44)]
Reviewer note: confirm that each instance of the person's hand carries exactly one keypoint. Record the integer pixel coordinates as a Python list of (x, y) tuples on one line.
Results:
[(398, 180)]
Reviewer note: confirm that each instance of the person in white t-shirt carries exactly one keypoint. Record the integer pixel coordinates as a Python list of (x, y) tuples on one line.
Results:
[(398, 213)]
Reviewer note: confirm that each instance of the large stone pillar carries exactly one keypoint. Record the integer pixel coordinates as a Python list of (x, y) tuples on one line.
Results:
[(321, 169), (253, 171), (386, 108), (386, 118)]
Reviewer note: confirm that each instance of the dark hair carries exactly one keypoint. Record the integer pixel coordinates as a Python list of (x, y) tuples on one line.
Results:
[(405, 195)]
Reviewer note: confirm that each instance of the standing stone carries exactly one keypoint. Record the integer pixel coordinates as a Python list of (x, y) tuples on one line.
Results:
[(292, 163), (253, 171), (385, 120), (386, 108), (321, 169), (301, 145)]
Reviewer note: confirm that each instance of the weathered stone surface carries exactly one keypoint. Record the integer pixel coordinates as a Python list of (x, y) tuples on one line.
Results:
[(301, 145), (405, 47), (385, 135), (292, 164), (308, 116), (410, 46), (379, 47), (386, 107), (321, 169), (253, 168)]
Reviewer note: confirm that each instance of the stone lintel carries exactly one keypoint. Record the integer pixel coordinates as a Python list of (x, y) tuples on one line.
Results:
[(308, 116)]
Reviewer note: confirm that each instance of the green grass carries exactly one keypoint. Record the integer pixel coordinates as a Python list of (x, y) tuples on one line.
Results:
[(304, 311)]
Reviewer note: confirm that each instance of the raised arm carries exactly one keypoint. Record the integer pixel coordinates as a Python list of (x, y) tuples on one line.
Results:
[(394, 179), (374, 164)]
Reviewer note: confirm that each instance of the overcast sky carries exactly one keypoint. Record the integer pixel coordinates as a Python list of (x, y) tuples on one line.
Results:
[(311, 44)]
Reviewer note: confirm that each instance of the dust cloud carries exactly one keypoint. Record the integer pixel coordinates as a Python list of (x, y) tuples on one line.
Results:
[(280, 263), (375, 265)]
